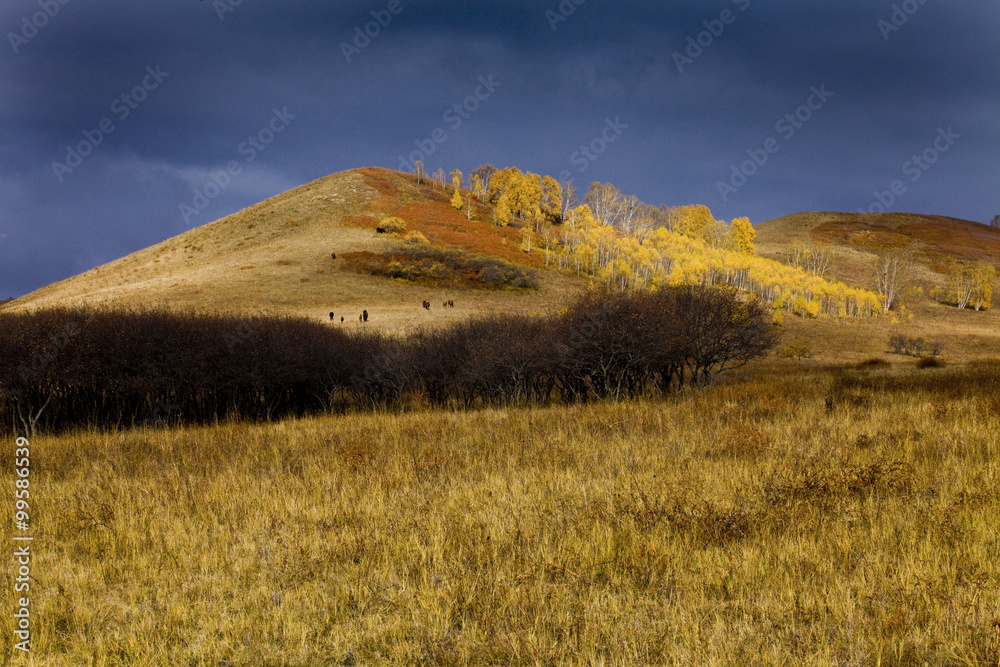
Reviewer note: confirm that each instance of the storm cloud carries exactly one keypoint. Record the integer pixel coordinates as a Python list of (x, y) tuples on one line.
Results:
[(123, 124)]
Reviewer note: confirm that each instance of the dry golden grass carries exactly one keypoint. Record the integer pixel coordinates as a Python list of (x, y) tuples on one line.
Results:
[(753, 523)]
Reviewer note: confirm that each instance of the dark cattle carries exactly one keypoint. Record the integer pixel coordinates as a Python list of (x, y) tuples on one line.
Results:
[(444, 305), (331, 316), (451, 304), (379, 230), (361, 318), (427, 305), (341, 319), (333, 255), (364, 315)]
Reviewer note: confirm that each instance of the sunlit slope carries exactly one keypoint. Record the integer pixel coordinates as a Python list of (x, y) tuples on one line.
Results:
[(853, 239), (276, 256), (934, 239)]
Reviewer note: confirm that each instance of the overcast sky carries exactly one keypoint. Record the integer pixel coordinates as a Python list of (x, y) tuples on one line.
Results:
[(119, 119)]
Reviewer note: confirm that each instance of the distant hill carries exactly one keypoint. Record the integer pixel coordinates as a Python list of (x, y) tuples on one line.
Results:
[(853, 238), (276, 257), (936, 239)]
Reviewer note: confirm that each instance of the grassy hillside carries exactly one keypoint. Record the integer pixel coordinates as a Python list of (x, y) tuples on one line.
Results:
[(853, 239), (275, 257), (790, 517)]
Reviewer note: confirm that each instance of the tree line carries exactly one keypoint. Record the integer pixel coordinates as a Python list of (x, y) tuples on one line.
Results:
[(628, 244), (67, 368)]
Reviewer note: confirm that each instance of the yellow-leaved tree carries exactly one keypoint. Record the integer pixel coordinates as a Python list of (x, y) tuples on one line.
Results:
[(551, 199), (456, 180), (971, 284), (742, 234), (692, 220), (501, 212)]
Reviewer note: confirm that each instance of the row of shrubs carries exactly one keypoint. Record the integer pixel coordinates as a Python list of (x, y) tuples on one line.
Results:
[(914, 346), (65, 368), (422, 261)]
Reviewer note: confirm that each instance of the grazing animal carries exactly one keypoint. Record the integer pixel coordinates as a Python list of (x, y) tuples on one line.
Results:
[(427, 305), (361, 318), (331, 316), (444, 305), (333, 255), (341, 319), (364, 314), (451, 304), (380, 230)]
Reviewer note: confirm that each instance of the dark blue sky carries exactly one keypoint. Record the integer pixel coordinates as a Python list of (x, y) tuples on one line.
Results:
[(750, 107)]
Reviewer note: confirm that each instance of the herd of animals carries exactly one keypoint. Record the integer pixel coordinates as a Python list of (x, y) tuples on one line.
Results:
[(363, 317)]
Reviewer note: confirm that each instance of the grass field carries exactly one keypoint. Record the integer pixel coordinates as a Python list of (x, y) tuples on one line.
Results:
[(792, 515)]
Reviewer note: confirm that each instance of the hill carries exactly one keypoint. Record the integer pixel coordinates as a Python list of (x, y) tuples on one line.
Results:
[(276, 257), (853, 239), (936, 239)]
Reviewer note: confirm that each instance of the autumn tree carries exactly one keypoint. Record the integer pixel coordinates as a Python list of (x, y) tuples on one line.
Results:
[(995, 222), (418, 171), (476, 185), (501, 211), (718, 235), (456, 181), (484, 172), (551, 204), (526, 239), (569, 198), (604, 200), (691, 220), (499, 182), (890, 266), (439, 176), (742, 234), (971, 284), (811, 257), (526, 196)]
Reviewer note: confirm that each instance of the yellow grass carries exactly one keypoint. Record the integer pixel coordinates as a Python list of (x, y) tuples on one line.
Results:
[(752, 523)]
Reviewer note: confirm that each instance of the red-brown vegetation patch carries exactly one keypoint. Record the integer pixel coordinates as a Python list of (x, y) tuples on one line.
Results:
[(956, 239), (443, 225), (358, 261), (858, 234), (387, 183), (939, 239)]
